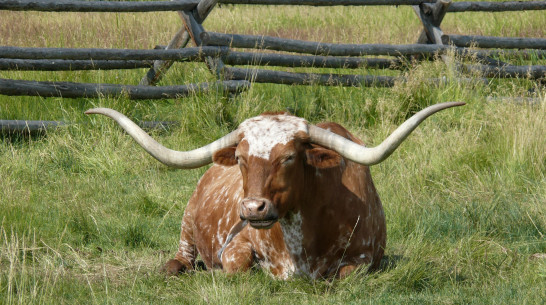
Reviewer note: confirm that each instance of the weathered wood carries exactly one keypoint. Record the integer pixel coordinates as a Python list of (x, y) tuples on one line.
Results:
[(160, 68), (315, 48), (495, 42), (530, 72), (195, 29), (298, 46), (290, 78), (503, 6), (152, 77), (71, 65), (467, 6), (233, 58), (522, 54), (491, 62), (78, 90), (203, 9), (431, 16), (96, 6), (326, 2), (289, 60), (187, 54), (192, 27), (26, 126), (18, 126)]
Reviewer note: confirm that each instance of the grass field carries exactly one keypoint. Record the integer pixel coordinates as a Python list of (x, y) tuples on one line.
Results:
[(86, 216)]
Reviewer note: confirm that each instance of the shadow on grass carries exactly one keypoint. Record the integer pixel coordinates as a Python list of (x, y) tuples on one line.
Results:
[(18, 138), (389, 262)]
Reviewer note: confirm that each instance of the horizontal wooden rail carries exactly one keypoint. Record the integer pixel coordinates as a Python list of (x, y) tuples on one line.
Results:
[(232, 58), (316, 48), (181, 5), (466, 6), (71, 65), (290, 78), (530, 72), (293, 61), (79, 90), (242, 58), (27, 126), (502, 6), (495, 42), (96, 6), (186, 54), (326, 2), (309, 47), (11, 126), (522, 54)]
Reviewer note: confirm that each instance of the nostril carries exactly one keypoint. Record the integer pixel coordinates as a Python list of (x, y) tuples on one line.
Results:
[(261, 207)]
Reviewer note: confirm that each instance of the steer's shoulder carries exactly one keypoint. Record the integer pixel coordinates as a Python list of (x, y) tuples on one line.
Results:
[(219, 175), (218, 185)]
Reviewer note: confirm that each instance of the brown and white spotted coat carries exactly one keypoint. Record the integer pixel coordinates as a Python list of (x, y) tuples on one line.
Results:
[(330, 218)]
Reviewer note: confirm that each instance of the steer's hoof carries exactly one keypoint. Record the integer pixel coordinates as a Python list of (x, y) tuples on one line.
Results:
[(200, 266), (173, 267)]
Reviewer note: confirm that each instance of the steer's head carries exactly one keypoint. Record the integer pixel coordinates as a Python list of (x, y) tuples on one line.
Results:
[(272, 151)]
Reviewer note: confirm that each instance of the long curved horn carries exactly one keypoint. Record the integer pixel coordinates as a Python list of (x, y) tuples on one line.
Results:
[(179, 159), (374, 155)]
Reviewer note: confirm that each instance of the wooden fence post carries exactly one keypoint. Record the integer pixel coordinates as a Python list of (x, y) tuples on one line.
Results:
[(431, 15), (180, 40), (193, 21), (152, 77)]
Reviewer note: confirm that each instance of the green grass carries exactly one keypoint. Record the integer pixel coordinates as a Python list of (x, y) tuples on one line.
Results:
[(86, 216)]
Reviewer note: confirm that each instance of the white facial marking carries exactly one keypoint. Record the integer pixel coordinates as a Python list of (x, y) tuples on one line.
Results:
[(264, 132)]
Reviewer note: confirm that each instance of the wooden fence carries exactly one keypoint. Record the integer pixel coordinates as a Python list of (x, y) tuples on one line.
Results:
[(214, 49), (321, 55), (431, 41), (57, 59)]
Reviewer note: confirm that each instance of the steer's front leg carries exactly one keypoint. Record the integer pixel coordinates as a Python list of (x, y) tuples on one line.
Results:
[(184, 259), (237, 256)]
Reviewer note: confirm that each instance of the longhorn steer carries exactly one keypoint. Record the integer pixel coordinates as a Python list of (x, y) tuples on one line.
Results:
[(305, 190)]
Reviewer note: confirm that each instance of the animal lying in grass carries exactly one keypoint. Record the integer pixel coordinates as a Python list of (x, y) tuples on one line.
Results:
[(304, 190)]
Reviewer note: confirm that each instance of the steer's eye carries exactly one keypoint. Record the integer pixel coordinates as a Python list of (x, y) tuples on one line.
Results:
[(288, 160)]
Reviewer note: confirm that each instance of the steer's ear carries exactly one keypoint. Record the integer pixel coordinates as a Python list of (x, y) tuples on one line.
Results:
[(323, 158), (225, 156)]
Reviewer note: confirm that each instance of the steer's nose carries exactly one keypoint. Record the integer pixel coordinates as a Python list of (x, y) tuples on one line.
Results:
[(254, 208), (260, 212)]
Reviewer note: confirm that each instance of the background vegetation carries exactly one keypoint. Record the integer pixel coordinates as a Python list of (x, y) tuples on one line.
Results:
[(86, 216)]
